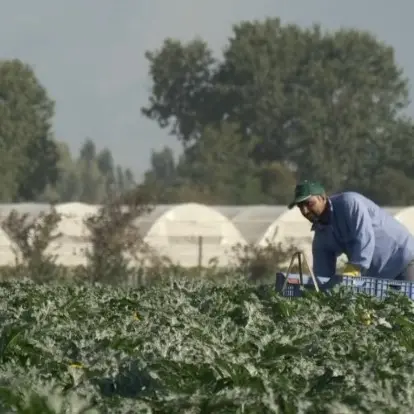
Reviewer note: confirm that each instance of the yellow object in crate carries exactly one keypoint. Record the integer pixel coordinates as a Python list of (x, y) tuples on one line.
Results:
[(351, 271)]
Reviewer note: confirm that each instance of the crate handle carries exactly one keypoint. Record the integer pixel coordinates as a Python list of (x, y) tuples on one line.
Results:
[(299, 255)]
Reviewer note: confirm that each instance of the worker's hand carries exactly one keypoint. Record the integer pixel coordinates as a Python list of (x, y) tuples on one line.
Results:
[(351, 270)]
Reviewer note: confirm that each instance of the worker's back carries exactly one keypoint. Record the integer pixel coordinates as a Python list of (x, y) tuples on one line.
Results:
[(394, 244)]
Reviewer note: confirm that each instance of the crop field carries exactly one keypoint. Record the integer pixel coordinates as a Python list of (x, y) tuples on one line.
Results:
[(200, 347)]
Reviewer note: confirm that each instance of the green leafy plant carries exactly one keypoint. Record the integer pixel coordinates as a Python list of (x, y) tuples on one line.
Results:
[(192, 345)]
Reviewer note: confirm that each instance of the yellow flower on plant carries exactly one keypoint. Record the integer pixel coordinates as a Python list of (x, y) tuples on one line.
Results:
[(76, 365)]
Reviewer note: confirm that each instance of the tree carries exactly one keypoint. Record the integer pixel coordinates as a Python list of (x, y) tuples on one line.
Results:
[(106, 166), (277, 181), (130, 183), (182, 78), (100, 179), (163, 168), (120, 179), (68, 185), (40, 170), (162, 175), (220, 165), (93, 183), (391, 187), (125, 180), (33, 165), (326, 103), (88, 151), (28, 156), (89, 178)]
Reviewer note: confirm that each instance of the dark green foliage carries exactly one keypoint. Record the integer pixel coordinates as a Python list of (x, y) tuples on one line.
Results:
[(327, 105), (203, 347)]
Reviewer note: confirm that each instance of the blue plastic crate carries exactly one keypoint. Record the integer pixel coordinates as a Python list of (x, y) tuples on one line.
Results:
[(369, 285)]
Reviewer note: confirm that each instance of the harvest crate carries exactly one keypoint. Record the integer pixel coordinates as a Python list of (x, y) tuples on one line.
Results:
[(369, 285), (294, 284)]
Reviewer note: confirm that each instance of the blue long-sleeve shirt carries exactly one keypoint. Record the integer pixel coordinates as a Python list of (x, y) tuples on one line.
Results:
[(370, 238)]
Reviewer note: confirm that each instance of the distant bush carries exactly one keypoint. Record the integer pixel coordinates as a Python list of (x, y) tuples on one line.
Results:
[(117, 246), (30, 237), (260, 263), (118, 253)]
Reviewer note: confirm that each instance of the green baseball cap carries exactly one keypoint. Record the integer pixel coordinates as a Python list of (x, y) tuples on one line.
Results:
[(305, 190)]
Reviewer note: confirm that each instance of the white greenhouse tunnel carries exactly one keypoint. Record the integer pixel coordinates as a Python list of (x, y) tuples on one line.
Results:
[(406, 217), (290, 229), (72, 219), (252, 221), (188, 234), (72, 235), (8, 251)]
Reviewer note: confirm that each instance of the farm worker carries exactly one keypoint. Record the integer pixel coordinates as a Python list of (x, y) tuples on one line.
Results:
[(375, 243)]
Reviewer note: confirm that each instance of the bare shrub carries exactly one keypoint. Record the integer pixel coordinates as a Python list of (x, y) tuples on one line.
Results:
[(260, 263), (117, 246), (31, 237)]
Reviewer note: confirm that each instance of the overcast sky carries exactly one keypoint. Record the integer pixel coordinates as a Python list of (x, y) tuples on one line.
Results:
[(89, 54)]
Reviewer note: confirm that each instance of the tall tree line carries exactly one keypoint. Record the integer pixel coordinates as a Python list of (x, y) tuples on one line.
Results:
[(91, 177), (34, 165), (282, 103)]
